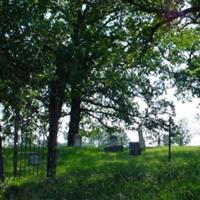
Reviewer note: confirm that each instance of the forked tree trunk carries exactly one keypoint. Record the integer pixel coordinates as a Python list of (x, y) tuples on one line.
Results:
[(1, 160), (55, 105), (74, 119)]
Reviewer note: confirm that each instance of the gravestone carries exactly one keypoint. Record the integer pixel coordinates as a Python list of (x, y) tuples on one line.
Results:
[(114, 140), (166, 140), (113, 145), (134, 148), (77, 140), (34, 159)]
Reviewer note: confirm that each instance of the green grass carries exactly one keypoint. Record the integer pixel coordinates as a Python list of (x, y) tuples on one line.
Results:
[(90, 174)]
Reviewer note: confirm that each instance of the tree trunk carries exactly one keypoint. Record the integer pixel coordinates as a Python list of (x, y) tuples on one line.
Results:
[(159, 140), (74, 119), (141, 137), (181, 140), (55, 105), (15, 146), (1, 160)]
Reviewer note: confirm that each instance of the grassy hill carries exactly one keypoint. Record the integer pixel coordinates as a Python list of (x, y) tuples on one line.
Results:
[(90, 174)]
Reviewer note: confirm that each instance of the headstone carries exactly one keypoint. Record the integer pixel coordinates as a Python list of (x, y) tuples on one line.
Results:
[(134, 148), (113, 145), (34, 159), (77, 140), (166, 140), (114, 140)]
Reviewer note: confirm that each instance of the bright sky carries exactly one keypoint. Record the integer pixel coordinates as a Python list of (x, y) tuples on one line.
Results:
[(189, 110), (183, 110)]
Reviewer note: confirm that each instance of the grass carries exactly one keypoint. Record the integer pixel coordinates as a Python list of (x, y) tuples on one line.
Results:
[(90, 174)]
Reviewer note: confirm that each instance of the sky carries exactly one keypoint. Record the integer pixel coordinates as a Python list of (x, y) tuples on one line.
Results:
[(189, 110), (186, 110)]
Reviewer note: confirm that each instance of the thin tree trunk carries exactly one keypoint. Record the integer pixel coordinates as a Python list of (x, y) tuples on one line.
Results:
[(1, 160), (159, 140), (55, 105), (74, 119), (15, 146), (141, 137)]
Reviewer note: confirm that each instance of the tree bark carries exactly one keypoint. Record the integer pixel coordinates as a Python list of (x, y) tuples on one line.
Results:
[(74, 119), (15, 146), (1, 160), (141, 137), (55, 105), (159, 140)]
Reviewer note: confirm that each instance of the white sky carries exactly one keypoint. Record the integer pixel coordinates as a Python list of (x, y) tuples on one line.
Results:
[(189, 110), (183, 110)]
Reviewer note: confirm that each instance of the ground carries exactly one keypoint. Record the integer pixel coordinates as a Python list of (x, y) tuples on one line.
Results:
[(90, 174)]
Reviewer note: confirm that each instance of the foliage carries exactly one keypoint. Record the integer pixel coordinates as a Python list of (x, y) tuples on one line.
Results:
[(182, 135)]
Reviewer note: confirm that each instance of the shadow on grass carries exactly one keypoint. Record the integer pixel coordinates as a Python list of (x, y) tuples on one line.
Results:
[(85, 173)]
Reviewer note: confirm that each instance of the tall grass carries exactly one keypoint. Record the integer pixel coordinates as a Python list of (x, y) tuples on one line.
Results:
[(90, 174)]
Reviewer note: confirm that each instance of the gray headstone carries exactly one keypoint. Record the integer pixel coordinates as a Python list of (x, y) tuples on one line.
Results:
[(166, 140), (114, 140), (134, 148), (77, 140), (34, 159)]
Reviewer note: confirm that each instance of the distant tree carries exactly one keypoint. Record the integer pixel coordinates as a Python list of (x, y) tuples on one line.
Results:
[(99, 135), (156, 120), (182, 135)]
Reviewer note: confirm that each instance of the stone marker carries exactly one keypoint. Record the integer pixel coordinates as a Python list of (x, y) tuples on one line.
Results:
[(113, 145), (34, 159), (134, 148), (77, 140), (166, 140), (114, 140)]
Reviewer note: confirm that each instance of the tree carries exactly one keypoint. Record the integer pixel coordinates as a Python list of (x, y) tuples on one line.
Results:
[(92, 46), (24, 62), (182, 135), (109, 87), (155, 120)]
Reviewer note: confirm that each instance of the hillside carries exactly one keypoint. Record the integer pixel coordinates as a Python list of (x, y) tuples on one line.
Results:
[(90, 174)]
